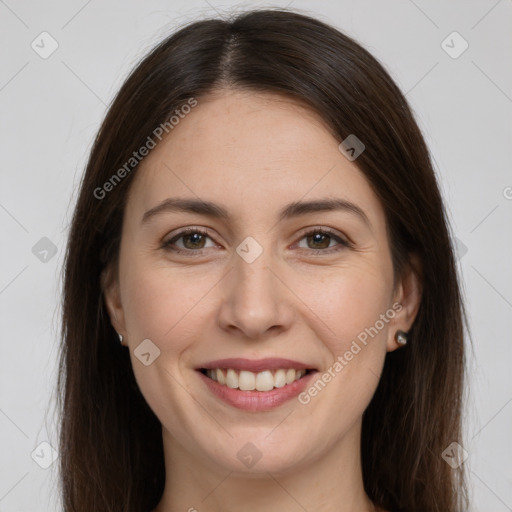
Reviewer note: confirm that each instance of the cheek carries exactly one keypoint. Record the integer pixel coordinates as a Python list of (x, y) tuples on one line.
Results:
[(160, 302), (349, 302), (165, 305), (347, 307)]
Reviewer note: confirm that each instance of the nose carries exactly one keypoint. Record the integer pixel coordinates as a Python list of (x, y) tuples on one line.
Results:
[(257, 302)]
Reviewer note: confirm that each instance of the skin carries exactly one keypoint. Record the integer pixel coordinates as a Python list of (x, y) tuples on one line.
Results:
[(252, 154)]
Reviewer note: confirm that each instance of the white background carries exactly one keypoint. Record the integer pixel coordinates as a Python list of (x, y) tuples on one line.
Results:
[(51, 109)]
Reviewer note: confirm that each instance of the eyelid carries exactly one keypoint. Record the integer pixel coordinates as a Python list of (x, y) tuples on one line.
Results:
[(323, 229), (342, 239), (171, 238)]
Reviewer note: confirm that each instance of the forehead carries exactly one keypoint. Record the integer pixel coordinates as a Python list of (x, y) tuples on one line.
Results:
[(250, 151)]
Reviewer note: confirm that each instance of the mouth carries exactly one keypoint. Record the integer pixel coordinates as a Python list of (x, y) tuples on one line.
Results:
[(245, 380), (255, 385)]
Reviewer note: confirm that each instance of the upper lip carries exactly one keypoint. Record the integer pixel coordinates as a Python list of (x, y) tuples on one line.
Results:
[(255, 365)]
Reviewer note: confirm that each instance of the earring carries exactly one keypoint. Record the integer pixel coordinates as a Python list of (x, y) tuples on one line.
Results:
[(120, 338), (401, 338)]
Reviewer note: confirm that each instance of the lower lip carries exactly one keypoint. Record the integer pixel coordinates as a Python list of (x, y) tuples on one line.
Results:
[(256, 401)]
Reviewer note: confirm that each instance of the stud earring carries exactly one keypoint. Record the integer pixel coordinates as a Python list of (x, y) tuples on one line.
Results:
[(401, 338), (120, 338)]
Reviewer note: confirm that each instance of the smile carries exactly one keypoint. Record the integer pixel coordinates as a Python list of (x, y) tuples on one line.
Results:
[(255, 385), (245, 380)]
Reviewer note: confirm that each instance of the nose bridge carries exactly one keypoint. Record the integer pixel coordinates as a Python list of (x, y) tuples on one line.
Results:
[(254, 279), (255, 301)]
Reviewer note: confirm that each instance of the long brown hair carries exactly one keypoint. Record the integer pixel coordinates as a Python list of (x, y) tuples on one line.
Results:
[(110, 442)]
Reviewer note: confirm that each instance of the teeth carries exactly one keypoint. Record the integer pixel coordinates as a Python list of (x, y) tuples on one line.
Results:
[(246, 381), (249, 381), (231, 379), (221, 379), (280, 378), (264, 381), (290, 376)]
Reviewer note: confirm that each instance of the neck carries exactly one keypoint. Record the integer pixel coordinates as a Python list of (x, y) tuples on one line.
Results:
[(330, 482)]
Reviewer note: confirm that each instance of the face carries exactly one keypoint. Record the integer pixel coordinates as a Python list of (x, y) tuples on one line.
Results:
[(249, 237)]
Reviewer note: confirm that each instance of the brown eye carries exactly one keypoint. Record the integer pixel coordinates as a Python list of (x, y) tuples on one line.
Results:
[(319, 241), (193, 241), (322, 241), (190, 240)]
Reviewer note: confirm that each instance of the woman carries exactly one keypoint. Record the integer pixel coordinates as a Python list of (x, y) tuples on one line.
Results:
[(261, 306)]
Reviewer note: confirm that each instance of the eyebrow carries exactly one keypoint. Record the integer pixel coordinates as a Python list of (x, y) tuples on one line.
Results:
[(295, 209)]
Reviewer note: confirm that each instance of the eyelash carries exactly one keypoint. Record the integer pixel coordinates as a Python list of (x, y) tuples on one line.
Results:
[(342, 243)]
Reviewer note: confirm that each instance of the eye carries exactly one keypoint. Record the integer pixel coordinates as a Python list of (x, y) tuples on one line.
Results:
[(323, 240), (195, 240), (188, 240)]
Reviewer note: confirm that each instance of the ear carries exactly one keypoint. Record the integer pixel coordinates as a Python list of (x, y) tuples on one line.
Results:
[(112, 296), (406, 301)]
